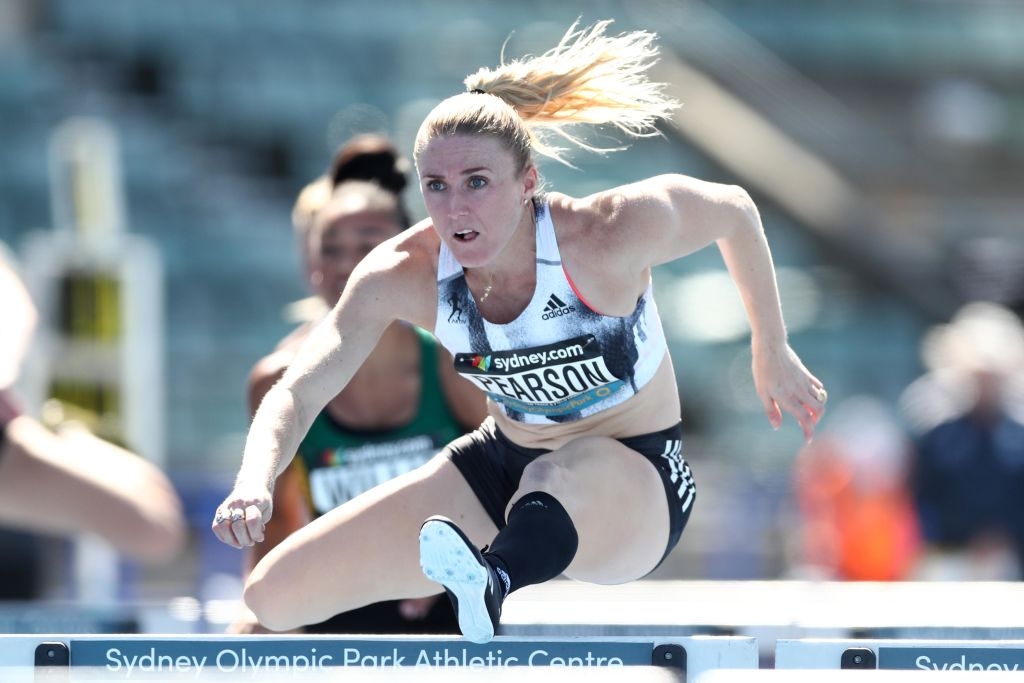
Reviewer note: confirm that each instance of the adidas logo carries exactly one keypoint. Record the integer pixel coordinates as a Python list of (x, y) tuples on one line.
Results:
[(503, 575), (555, 308)]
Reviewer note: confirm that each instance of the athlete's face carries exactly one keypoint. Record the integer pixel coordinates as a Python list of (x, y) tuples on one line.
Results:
[(474, 195), (341, 237)]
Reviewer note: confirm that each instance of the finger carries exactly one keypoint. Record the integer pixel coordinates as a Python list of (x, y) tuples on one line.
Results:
[(222, 528), (814, 409), (805, 414), (804, 421), (817, 393), (239, 527), (807, 422), (254, 524), (809, 435), (226, 536), (772, 410)]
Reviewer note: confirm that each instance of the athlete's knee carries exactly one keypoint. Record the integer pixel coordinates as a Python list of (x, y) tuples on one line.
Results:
[(545, 475), (268, 600)]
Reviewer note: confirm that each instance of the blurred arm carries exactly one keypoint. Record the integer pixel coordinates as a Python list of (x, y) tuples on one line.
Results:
[(73, 482), (19, 321)]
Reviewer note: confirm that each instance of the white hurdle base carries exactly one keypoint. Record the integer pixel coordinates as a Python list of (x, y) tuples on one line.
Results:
[(314, 658)]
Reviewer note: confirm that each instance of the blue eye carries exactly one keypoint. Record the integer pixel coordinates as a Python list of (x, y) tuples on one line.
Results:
[(477, 182), (435, 186)]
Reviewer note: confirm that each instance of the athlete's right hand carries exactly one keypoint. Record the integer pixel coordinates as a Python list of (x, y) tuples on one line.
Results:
[(242, 517)]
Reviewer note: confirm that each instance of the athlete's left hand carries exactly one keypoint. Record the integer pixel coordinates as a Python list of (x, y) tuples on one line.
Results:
[(784, 384)]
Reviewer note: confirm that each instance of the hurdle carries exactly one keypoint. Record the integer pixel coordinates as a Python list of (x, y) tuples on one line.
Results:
[(900, 654), (897, 609), (302, 657), (852, 676), (771, 610)]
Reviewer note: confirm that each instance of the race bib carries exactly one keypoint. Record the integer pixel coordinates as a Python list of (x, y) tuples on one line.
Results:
[(364, 467), (556, 379)]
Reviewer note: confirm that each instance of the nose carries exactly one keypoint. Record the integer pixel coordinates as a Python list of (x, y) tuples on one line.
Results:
[(457, 205)]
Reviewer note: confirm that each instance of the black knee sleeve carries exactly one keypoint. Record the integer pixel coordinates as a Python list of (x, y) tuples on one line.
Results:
[(538, 543)]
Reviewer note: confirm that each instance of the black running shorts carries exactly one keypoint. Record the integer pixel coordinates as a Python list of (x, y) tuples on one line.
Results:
[(493, 465)]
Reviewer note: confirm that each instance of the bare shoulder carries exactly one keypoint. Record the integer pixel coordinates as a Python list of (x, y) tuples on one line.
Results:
[(605, 223), (599, 219), (419, 242), (415, 253), (400, 275), (658, 199), (652, 220)]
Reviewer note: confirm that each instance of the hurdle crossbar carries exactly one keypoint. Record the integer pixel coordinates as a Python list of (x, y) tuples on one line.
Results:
[(303, 657)]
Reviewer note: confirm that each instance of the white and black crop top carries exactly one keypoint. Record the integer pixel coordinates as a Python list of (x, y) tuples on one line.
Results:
[(559, 360)]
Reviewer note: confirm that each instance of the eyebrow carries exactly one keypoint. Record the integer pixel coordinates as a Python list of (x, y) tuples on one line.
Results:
[(468, 171)]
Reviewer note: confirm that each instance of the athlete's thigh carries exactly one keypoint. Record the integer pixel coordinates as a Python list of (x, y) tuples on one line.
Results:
[(618, 505), (367, 550)]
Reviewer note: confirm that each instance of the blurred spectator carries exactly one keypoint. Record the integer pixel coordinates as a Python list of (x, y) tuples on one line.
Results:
[(989, 268), (968, 474), (856, 514), (405, 394), (71, 482)]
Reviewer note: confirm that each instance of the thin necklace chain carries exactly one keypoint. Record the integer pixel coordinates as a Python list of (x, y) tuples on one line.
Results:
[(490, 285), (487, 290)]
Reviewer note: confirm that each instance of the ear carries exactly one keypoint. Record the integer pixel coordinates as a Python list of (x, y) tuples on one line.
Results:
[(530, 182), (315, 276)]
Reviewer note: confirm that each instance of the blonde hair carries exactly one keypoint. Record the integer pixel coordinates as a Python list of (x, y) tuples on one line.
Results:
[(315, 198), (312, 198), (360, 196), (588, 78)]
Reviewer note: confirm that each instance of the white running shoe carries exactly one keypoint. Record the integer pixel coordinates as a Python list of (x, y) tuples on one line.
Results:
[(448, 557)]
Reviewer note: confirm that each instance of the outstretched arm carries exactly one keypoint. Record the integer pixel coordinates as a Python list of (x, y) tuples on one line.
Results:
[(325, 363), (680, 215), (386, 285), (291, 511), (780, 378)]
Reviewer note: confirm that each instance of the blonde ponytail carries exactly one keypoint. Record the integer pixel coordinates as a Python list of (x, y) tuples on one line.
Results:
[(588, 78)]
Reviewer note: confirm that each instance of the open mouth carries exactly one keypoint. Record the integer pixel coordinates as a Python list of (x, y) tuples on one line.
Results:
[(466, 235)]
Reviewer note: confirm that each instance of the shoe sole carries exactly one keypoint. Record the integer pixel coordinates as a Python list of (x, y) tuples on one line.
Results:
[(446, 557)]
